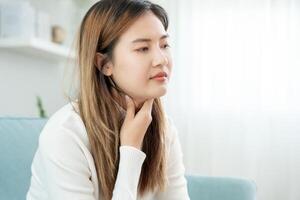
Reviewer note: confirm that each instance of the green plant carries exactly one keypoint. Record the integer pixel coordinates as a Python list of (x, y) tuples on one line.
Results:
[(42, 112)]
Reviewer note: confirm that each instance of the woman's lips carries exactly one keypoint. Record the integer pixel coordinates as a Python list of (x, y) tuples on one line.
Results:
[(160, 75), (160, 78)]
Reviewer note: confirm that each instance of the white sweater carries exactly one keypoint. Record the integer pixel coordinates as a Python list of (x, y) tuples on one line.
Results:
[(63, 167)]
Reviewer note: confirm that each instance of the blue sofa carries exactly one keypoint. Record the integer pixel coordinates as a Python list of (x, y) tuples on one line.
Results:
[(18, 143)]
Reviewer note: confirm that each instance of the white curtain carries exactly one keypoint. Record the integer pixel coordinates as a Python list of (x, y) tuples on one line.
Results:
[(235, 91)]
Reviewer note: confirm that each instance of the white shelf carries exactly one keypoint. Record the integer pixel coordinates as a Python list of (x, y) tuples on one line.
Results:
[(36, 48)]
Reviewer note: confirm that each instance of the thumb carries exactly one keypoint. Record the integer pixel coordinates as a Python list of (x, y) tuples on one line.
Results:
[(147, 107)]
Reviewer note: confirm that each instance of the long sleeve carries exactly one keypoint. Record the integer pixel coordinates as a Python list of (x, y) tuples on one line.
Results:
[(131, 160), (65, 167), (63, 159), (177, 184)]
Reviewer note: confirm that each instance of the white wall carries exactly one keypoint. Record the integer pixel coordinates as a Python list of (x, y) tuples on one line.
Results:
[(23, 77)]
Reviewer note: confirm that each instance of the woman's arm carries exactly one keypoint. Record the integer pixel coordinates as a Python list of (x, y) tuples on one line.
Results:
[(131, 161), (67, 173)]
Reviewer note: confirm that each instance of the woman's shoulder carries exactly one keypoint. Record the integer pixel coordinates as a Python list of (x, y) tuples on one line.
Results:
[(64, 127)]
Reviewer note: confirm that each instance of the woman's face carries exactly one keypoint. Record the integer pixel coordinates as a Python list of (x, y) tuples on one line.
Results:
[(141, 53)]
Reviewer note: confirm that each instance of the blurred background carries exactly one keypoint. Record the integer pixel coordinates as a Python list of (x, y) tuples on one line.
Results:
[(234, 95)]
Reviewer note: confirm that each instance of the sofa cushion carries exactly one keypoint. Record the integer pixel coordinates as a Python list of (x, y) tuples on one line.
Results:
[(18, 143), (220, 188)]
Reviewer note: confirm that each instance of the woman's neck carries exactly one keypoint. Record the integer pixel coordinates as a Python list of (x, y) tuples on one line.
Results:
[(120, 99)]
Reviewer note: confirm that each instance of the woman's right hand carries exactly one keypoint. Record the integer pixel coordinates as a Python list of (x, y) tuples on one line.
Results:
[(135, 126)]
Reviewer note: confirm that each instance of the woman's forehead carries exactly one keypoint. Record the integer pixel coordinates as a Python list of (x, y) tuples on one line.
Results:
[(147, 26)]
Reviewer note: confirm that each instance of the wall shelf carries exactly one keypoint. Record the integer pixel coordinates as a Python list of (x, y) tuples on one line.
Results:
[(35, 47)]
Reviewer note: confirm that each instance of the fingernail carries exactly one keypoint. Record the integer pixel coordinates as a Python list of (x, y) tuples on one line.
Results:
[(127, 98)]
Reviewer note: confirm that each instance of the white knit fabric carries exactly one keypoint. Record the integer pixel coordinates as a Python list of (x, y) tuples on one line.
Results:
[(63, 167)]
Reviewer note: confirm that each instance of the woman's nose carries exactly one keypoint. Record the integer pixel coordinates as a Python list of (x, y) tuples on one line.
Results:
[(159, 58)]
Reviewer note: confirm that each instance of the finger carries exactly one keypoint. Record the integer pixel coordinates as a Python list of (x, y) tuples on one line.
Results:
[(130, 110), (146, 111), (147, 107)]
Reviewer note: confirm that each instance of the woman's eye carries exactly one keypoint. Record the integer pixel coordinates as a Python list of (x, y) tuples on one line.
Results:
[(144, 49), (166, 46)]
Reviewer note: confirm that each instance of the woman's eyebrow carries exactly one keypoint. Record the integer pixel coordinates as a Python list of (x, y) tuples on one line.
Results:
[(148, 39)]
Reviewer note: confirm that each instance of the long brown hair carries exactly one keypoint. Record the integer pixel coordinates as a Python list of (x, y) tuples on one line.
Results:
[(102, 116)]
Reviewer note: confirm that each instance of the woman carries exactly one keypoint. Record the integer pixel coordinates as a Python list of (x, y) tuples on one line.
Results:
[(114, 140)]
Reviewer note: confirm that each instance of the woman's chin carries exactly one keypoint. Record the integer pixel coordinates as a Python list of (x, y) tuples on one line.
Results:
[(161, 92), (152, 94)]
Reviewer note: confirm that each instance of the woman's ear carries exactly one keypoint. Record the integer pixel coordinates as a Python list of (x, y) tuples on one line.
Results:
[(103, 64)]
